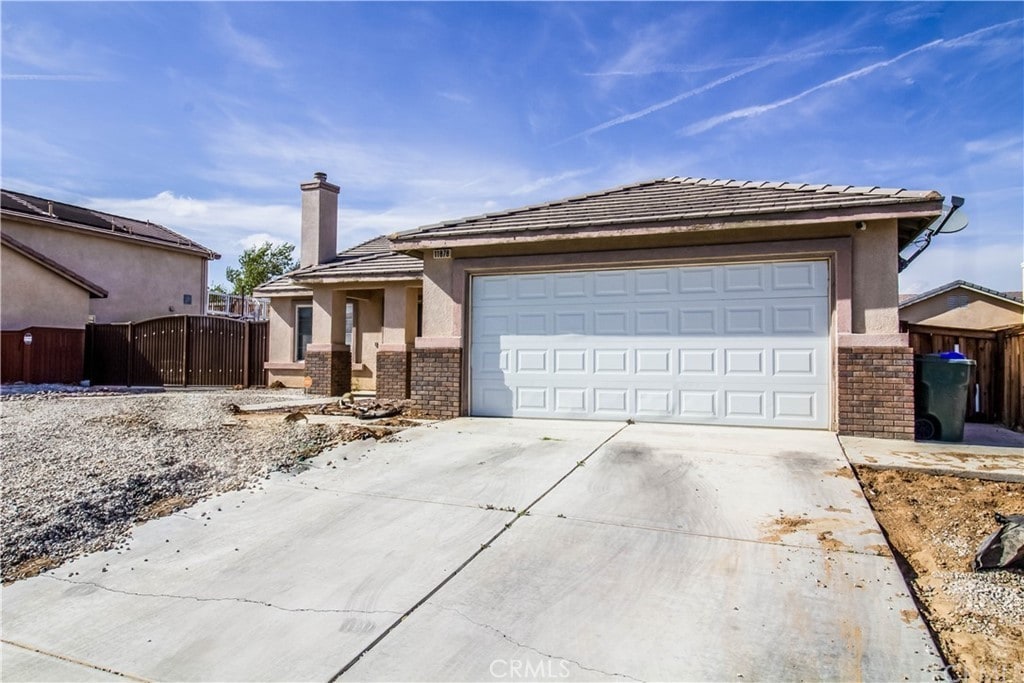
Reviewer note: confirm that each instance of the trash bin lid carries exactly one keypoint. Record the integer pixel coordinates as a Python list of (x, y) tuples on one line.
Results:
[(936, 358)]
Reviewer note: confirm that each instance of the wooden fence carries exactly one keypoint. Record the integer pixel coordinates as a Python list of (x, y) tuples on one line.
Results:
[(54, 355), (997, 393), (180, 350)]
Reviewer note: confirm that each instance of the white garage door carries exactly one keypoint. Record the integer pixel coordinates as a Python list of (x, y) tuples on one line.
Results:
[(742, 344)]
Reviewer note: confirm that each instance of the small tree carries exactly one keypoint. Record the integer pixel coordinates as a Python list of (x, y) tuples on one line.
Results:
[(259, 264)]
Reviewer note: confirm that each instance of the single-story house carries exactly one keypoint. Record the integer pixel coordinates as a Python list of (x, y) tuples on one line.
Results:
[(963, 305), (148, 270), (676, 300)]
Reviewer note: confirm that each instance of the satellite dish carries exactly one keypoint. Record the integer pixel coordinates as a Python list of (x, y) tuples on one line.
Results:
[(955, 222)]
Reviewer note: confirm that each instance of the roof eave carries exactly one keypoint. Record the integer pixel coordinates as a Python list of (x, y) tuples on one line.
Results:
[(945, 289), (361, 280), (70, 225), (908, 210)]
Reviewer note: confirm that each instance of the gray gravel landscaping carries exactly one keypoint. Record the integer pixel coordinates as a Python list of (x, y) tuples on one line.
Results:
[(80, 468)]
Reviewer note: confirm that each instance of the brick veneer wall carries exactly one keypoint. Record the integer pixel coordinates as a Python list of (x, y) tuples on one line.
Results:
[(876, 392), (436, 382), (393, 374), (330, 371)]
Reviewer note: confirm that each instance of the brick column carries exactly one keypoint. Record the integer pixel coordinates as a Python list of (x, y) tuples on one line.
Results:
[(328, 371), (876, 391), (436, 384), (393, 374)]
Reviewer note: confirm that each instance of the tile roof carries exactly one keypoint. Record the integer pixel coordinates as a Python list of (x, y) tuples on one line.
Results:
[(89, 219), (371, 260), (914, 298), (673, 199), (94, 290)]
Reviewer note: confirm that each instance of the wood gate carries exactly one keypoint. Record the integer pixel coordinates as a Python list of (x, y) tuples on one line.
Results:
[(179, 350), (997, 389)]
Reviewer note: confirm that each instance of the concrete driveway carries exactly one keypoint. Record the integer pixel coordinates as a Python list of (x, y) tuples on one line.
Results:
[(498, 550)]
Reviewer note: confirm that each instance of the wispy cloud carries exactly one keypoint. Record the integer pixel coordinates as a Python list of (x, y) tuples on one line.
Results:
[(757, 110), (455, 97), (913, 13), (243, 46), (763, 63), (730, 63), (555, 180), (42, 53), (53, 77)]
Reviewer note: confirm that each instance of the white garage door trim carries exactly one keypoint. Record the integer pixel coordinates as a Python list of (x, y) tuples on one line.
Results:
[(738, 344)]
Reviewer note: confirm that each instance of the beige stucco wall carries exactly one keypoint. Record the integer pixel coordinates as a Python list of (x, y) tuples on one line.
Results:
[(875, 305), (143, 281), (368, 332), (981, 312), (281, 366), (34, 296), (368, 335)]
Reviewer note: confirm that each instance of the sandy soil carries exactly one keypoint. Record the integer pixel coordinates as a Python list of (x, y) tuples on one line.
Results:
[(937, 523)]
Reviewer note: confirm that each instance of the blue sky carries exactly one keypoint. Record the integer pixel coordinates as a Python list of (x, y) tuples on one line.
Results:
[(206, 117)]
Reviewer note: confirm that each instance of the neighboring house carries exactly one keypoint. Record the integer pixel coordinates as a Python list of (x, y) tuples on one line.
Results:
[(147, 270), (963, 305), (674, 300), (64, 266), (41, 343)]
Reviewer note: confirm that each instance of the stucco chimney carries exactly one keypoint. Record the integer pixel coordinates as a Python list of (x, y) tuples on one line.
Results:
[(319, 221)]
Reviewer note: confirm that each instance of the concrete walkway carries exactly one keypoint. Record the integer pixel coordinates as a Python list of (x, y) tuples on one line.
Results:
[(987, 452), (639, 552)]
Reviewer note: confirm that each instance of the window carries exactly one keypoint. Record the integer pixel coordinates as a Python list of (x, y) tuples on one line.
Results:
[(303, 330), (187, 300), (350, 321)]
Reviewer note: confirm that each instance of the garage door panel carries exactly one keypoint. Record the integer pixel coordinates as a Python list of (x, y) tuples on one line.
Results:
[(570, 322), (745, 405), (737, 344), (698, 362), (744, 320), (801, 276)]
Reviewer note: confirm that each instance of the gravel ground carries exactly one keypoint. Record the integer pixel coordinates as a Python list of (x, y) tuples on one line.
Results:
[(937, 523), (80, 468)]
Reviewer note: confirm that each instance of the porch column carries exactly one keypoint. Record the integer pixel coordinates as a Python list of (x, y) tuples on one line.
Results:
[(436, 383), (328, 359), (394, 355)]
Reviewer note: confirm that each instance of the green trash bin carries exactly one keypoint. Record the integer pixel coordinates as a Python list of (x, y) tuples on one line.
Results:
[(941, 389)]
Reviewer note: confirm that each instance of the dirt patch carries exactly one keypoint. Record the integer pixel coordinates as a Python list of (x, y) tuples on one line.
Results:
[(937, 523), (783, 525), (164, 507), (843, 472), (31, 568)]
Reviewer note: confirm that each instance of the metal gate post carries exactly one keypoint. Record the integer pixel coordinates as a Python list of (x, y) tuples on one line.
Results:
[(131, 353)]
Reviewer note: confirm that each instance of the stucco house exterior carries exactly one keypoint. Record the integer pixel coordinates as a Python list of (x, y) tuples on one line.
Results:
[(674, 300), (68, 292), (963, 305), (64, 266), (148, 270)]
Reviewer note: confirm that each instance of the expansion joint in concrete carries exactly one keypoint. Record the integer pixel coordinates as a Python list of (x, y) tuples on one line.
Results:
[(483, 546), (72, 660)]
